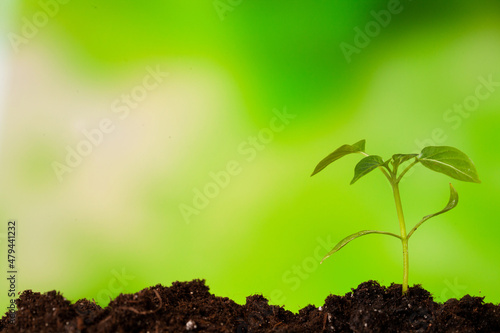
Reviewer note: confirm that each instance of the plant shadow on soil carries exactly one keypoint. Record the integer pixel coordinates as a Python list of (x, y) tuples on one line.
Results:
[(189, 306)]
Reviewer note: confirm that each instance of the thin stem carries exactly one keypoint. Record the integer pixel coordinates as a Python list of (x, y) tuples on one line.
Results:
[(406, 170), (404, 238), (386, 233), (418, 225), (394, 180), (406, 265)]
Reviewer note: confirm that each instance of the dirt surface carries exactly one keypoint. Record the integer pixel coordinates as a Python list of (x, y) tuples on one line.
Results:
[(189, 306)]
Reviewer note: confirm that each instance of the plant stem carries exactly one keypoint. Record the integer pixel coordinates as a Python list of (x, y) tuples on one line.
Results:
[(406, 170), (404, 238)]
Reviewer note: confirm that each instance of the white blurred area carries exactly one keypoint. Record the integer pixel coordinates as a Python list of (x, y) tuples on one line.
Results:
[(3, 80), (102, 203), (6, 11), (3, 74)]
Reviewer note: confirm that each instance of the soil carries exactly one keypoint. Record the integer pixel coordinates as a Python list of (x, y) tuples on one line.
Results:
[(189, 306)]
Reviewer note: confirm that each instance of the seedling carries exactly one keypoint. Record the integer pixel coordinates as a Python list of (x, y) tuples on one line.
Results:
[(444, 159)]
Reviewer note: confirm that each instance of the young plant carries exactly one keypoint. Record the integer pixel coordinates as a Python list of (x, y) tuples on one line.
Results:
[(447, 160)]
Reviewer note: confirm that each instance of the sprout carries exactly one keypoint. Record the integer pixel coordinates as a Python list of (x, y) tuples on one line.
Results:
[(447, 160)]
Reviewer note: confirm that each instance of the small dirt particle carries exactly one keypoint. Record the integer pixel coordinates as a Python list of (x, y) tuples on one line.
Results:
[(190, 325)]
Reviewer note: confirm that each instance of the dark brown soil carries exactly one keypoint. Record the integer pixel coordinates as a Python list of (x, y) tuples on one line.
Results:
[(189, 306)]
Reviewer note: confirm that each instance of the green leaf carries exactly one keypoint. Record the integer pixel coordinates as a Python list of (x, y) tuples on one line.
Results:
[(401, 158), (366, 165), (450, 161), (452, 203), (338, 153), (349, 238)]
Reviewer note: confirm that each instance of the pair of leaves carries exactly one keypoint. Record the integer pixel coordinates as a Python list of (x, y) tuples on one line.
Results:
[(452, 203), (371, 162), (443, 159), (364, 166)]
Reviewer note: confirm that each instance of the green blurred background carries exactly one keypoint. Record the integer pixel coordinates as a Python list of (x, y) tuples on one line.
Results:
[(130, 215)]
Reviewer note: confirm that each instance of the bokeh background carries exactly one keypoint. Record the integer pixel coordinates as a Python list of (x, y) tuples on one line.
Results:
[(204, 121)]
